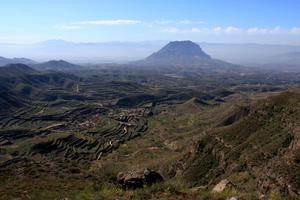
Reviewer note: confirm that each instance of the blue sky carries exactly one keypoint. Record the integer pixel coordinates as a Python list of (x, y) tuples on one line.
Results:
[(237, 21)]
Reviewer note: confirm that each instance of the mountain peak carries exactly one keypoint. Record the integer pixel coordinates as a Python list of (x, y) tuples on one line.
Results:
[(182, 48), (187, 48), (58, 65), (184, 55), (178, 53)]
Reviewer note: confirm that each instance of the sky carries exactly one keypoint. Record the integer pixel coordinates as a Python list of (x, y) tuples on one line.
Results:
[(228, 21)]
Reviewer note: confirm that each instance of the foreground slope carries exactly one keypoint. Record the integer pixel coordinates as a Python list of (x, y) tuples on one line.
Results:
[(259, 152)]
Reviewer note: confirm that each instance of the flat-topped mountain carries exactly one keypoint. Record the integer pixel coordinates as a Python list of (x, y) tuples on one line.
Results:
[(188, 56), (57, 65), (177, 53), (178, 49)]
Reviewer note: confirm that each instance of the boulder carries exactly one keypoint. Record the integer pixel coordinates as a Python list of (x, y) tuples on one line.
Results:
[(138, 178), (234, 198), (221, 186), (199, 188)]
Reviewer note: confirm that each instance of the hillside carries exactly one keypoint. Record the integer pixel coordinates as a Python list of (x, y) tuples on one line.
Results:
[(6, 61), (259, 152), (57, 65), (20, 84), (16, 70)]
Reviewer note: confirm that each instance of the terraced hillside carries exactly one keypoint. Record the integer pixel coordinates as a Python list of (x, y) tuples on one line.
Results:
[(99, 135)]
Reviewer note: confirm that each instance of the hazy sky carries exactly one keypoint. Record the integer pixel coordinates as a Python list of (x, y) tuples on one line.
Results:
[(260, 21)]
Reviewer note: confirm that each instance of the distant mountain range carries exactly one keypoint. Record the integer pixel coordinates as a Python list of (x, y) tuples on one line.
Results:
[(257, 55), (55, 65), (6, 61)]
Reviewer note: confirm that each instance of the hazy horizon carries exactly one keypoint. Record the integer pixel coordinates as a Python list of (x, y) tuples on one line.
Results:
[(250, 54), (142, 41)]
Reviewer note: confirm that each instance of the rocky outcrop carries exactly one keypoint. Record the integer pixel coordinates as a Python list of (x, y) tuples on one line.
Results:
[(138, 178)]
